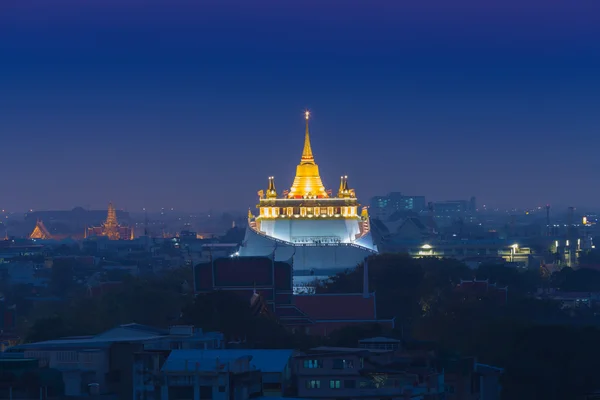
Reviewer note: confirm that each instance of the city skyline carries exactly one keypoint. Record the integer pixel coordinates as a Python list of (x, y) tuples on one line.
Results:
[(195, 107)]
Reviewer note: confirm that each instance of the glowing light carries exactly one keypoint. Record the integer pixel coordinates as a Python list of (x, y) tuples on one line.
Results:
[(515, 246), (426, 246), (306, 114)]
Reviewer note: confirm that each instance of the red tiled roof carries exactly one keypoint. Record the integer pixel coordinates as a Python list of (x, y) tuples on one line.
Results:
[(289, 315), (337, 306), (324, 328), (246, 293), (284, 298)]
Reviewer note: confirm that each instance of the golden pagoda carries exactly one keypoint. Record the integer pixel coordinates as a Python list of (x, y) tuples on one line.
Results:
[(308, 199), (321, 233), (111, 227)]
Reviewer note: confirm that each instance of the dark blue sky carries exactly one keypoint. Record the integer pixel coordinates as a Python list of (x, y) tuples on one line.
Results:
[(193, 104)]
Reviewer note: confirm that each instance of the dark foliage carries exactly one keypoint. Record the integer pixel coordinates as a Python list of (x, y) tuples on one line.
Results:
[(552, 362)]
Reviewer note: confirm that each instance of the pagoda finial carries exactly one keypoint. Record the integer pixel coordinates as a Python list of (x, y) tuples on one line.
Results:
[(111, 217), (307, 155), (341, 190), (271, 192)]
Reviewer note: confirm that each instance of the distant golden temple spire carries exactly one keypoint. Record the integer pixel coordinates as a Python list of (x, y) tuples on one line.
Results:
[(307, 155)]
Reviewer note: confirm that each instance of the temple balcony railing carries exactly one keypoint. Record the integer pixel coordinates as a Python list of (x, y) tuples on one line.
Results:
[(287, 243)]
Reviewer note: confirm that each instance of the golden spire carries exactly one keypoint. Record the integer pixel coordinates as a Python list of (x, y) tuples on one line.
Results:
[(344, 191), (341, 190), (111, 217), (111, 225), (307, 183), (271, 192), (307, 155)]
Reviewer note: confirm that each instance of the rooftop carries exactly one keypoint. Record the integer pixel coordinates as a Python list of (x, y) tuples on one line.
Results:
[(124, 333), (266, 360)]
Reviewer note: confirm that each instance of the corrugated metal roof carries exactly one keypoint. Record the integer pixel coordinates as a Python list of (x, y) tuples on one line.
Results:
[(266, 360)]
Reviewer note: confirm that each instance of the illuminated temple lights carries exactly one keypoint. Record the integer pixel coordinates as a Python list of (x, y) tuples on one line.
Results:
[(308, 198)]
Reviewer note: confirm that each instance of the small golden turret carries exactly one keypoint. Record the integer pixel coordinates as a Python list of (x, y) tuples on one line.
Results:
[(271, 192), (250, 216), (341, 189), (364, 213), (344, 191)]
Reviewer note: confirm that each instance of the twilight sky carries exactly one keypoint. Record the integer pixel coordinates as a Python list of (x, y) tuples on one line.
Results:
[(193, 104)]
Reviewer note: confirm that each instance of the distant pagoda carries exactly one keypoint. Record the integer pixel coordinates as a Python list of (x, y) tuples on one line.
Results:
[(40, 232), (111, 228)]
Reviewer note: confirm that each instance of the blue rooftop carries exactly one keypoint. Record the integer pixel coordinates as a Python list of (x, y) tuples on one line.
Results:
[(265, 360)]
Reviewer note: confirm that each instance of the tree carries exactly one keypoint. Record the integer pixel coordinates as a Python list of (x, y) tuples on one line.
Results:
[(62, 276), (350, 336), (228, 313), (552, 362)]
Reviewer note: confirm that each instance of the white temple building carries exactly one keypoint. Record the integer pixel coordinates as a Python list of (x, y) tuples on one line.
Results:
[(322, 234)]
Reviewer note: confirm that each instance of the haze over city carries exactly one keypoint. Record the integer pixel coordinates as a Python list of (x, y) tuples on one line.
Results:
[(156, 104)]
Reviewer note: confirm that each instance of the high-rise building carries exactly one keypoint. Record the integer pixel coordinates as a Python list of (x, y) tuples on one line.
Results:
[(384, 206)]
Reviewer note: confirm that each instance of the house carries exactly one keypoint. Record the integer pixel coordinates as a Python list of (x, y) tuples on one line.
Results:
[(217, 378), (275, 367), (381, 343), (570, 299), (468, 380), (352, 373), (106, 359)]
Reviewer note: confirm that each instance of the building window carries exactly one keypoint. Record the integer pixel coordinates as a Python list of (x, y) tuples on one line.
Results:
[(339, 363), (349, 384), (334, 384), (330, 211), (313, 384), (290, 211), (313, 363)]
